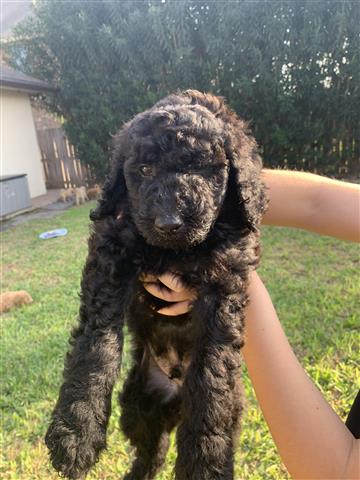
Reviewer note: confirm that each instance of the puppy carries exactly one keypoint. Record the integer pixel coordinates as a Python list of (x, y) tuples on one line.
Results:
[(66, 195), (94, 192), (9, 300), (80, 196), (183, 195)]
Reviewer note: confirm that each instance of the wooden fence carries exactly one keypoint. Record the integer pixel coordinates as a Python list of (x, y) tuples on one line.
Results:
[(62, 168)]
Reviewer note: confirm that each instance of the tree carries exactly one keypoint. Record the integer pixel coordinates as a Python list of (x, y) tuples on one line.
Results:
[(292, 68)]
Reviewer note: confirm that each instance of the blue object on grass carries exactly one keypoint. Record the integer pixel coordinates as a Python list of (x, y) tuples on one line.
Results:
[(59, 232)]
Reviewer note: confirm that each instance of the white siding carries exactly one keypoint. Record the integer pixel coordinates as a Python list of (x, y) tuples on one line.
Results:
[(19, 147)]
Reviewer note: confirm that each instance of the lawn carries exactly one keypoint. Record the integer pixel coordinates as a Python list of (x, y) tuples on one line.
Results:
[(314, 284)]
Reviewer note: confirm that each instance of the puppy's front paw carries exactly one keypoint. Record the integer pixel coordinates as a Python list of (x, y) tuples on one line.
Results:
[(74, 451)]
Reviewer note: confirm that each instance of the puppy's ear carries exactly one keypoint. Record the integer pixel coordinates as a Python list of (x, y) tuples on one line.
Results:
[(245, 187), (245, 190), (112, 195), (114, 191)]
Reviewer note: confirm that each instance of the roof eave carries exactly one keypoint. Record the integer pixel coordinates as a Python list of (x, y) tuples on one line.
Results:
[(26, 87)]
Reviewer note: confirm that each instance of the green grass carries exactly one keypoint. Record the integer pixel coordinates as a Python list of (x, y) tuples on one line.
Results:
[(313, 282)]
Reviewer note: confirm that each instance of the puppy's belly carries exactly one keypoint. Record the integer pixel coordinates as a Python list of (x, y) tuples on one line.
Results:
[(159, 381)]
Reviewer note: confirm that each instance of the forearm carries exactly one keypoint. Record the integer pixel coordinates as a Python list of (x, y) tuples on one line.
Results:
[(312, 440), (314, 203)]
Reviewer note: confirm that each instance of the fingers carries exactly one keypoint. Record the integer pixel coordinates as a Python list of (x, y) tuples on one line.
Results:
[(147, 278), (170, 288), (178, 308), (172, 281), (159, 291)]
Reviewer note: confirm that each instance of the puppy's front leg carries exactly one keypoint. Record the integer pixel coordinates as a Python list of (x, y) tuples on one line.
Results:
[(205, 437), (77, 433)]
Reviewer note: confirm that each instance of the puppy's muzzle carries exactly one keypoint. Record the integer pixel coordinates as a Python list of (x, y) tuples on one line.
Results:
[(166, 224)]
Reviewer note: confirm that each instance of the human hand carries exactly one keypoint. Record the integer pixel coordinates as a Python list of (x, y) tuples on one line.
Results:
[(169, 287)]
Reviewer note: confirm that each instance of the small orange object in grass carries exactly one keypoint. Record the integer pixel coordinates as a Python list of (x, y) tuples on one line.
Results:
[(9, 300)]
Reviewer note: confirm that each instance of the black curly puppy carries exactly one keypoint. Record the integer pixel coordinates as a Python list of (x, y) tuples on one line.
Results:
[(184, 195)]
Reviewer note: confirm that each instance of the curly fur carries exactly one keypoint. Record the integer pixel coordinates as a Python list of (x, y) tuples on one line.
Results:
[(191, 158)]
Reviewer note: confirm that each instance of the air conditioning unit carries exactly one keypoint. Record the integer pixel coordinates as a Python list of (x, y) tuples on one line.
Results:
[(14, 194)]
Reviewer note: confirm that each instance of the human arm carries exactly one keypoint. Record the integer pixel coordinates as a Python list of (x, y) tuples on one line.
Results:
[(314, 203), (312, 440)]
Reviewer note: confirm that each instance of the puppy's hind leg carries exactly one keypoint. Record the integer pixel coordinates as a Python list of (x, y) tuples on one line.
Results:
[(147, 424)]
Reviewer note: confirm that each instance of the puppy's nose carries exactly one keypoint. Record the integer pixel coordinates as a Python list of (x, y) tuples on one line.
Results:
[(168, 223)]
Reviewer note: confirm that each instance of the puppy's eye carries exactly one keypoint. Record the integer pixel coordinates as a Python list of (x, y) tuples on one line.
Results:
[(146, 170)]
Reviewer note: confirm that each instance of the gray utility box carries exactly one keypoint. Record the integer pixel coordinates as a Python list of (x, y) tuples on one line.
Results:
[(14, 194)]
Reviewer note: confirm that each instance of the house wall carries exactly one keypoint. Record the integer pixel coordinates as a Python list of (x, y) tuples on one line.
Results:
[(19, 147)]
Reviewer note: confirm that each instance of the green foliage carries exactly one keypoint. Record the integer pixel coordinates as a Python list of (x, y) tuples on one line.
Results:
[(317, 302), (292, 68)]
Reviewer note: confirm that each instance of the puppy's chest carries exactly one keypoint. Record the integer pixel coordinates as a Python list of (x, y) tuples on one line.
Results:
[(168, 342), (197, 266)]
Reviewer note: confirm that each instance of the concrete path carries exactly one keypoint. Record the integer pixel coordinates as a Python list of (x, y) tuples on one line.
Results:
[(44, 206)]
